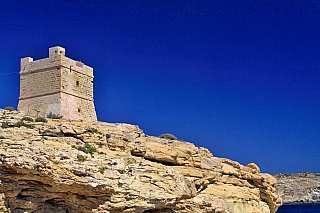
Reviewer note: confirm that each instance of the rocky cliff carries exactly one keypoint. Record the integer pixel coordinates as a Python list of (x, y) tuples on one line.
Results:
[(73, 166), (299, 188)]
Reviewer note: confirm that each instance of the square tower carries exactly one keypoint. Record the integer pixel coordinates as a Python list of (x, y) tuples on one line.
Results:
[(57, 85)]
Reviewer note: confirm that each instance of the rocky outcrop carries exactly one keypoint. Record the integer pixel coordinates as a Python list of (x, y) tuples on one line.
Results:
[(73, 166), (299, 187)]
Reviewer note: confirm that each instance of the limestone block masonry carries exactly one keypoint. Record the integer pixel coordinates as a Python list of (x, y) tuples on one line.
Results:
[(57, 85)]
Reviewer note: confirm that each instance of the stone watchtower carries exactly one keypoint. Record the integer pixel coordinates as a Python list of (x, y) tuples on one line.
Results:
[(57, 85)]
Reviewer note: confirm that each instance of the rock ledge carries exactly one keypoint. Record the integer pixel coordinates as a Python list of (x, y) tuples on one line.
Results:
[(73, 166)]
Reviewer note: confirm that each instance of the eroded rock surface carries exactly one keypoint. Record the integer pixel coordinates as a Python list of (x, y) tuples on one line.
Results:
[(73, 166), (299, 187)]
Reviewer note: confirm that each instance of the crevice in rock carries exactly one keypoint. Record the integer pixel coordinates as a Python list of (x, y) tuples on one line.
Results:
[(201, 187), (165, 163), (18, 211), (251, 182), (63, 135), (73, 136), (55, 202), (138, 153), (142, 154), (55, 205), (21, 197), (167, 210)]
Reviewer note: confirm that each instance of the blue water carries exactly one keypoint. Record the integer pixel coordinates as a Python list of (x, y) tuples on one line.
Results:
[(300, 208)]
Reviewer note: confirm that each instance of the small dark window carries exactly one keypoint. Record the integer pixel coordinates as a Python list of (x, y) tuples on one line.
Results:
[(77, 83), (79, 110)]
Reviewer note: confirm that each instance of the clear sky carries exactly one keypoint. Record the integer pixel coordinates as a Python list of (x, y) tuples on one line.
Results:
[(240, 78)]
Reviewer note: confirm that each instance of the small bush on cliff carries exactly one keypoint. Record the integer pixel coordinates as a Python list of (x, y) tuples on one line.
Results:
[(9, 108), (168, 136), (27, 119), (53, 116), (93, 130), (61, 134), (121, 171), (88, 149), (4, 125), (1, 137), (108, 136), (102, 169), (81, 158), (21, 123), (41, 119)]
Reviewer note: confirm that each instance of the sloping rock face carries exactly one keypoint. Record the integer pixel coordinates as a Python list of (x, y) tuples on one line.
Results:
[(74, 166), (299, 187)]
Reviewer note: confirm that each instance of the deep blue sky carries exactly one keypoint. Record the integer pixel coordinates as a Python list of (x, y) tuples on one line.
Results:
[(240, 78)]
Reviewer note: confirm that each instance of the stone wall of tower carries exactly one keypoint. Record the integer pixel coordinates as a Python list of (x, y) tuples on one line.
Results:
[(77, 90), (77, 79), (42, 105), (58, 85), (75, 108), (40, 82)]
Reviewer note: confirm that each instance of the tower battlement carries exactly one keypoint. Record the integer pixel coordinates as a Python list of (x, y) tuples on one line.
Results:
[(55, 51), (57, 85)]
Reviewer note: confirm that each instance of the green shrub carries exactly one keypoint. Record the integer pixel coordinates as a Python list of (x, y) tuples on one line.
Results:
[(4, 125), (61, 134), (108, 136), (121, 171), (1, 137), (21, 123), (9, 108), (27, 119), (53, 116), (88, 149), (168, 136), (93, 130), (81, 158), (102, 169), (41, 119)]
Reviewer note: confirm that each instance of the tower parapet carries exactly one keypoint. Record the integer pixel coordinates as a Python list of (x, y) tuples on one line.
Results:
[(57, 85)]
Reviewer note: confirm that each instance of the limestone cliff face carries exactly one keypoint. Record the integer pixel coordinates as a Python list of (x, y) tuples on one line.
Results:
[(69, 166), (299, 188)]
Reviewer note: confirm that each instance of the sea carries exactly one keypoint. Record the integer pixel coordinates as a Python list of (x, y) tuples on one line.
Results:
[(300, 208)]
